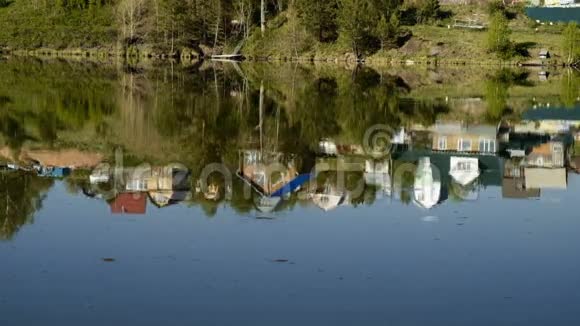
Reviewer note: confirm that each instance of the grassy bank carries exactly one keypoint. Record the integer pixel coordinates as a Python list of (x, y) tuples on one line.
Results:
[(438, 42), (28, 25), (37, 29)]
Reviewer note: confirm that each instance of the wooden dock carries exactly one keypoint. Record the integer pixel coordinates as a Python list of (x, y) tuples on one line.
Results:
[(234, 56)]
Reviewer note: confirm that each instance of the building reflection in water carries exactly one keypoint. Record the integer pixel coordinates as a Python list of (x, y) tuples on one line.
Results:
[(424, 164), (272, 175), (131, 187)]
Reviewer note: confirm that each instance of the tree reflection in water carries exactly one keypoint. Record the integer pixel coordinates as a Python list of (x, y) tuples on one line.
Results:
[(208, 113)]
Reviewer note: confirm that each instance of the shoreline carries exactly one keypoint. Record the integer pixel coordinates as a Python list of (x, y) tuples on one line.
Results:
[(382, 61), (187, 55), (102, 52)]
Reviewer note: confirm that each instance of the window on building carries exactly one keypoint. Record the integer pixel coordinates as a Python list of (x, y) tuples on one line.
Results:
[(464, 166), (558, 154), (442, 144), (487, 145), (136, 185), (464, 145)]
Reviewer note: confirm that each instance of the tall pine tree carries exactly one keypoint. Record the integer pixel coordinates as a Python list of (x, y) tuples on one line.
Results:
[(357, 21), (319, 17)]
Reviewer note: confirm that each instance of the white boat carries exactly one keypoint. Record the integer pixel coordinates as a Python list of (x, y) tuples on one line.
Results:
[(427, 187), (99, 175)]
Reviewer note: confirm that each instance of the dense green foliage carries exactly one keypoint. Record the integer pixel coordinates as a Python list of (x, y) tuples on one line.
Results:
[(319, 17)]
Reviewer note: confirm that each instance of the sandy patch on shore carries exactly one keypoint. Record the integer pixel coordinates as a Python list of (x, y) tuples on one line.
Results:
[(65, 158)]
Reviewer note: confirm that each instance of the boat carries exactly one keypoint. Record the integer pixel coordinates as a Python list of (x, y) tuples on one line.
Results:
[(427, 186)]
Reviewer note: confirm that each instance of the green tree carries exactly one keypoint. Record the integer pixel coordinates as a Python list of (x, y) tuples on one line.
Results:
[(498, 37), (571, 43), (427, 11), (357, 20), (383, 31), (386, 31), (319, 17)]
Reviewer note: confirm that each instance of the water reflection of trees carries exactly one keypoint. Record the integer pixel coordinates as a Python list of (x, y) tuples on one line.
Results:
[(43, 100), (21, 196), (205, 114), (496, 91), (570, 88)]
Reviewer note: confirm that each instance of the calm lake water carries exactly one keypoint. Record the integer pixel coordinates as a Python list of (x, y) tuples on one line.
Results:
[(254, 194)]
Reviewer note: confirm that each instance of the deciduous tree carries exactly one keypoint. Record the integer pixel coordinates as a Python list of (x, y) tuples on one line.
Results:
[(132, 15), (498, 37)]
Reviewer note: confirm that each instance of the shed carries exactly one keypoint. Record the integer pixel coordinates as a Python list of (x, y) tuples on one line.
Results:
[(544, 54), (129, 203)]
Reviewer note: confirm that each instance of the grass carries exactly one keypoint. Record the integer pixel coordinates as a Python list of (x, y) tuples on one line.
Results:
[(442, 43), (28, 25)]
